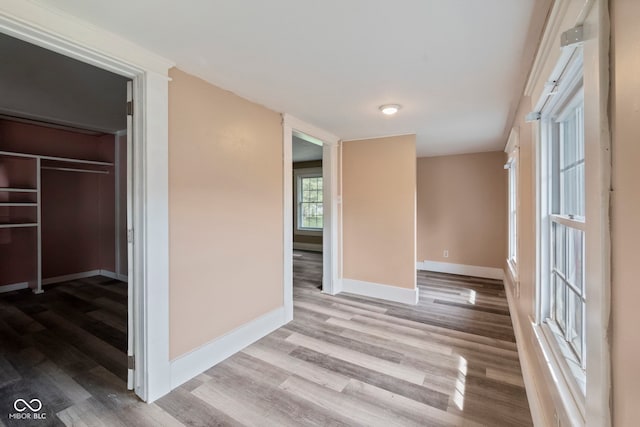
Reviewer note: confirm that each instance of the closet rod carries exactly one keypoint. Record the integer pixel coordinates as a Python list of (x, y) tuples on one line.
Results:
[(74, 170)]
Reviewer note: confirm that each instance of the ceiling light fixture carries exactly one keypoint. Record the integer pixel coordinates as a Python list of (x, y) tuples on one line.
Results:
[(389, 109)]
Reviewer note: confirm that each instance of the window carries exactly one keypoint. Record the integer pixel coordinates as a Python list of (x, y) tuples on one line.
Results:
[(309, 198), (513, 224), (561, 282), (567, 218), (512, 167), (572, 147)]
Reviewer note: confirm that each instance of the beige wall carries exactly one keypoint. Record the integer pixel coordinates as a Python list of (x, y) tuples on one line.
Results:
[(225, 212), (462, 208), (379, 210), (625, 211)]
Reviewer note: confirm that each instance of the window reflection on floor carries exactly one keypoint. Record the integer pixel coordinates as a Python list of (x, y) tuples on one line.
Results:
[(458, 395)]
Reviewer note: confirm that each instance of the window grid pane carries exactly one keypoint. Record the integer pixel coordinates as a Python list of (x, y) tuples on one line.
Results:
[(311, 208), (559, 302), (571, 165), (575, 333), (567, 290)]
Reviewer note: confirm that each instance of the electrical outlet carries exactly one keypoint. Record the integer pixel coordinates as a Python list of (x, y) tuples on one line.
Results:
[(446, 253)]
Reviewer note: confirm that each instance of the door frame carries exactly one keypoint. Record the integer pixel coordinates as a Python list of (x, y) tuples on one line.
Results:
[(331, 233), (72, 37)]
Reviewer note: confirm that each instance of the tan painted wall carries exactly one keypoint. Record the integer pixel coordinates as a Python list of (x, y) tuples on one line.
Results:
[(625, 212), (379, 210), (462, 208), (225, 212)]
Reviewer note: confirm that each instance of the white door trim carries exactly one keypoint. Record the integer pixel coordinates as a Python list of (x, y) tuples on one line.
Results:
[(70, 36), (330, 235)]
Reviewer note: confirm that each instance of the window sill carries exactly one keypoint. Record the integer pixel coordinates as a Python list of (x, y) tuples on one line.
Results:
[(567, 385), (568, 361), (513, 270)]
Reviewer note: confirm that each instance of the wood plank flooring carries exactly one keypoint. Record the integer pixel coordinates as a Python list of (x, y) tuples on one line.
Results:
[(347, 360), (64, 346)]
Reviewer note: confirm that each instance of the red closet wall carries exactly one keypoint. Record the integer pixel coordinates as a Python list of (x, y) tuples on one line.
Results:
[(78, 209), (17, 244)]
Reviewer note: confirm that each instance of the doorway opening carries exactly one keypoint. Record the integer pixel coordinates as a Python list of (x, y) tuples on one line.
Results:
[(308, 212), (311, 207), (65, 212)]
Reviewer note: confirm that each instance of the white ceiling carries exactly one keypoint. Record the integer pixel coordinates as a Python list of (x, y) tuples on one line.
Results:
[(305, 151), (457, 66)]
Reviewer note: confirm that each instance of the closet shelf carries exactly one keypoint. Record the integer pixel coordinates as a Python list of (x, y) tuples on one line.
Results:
[(16, 204), (18, 190), (18, 224), (55, 159)]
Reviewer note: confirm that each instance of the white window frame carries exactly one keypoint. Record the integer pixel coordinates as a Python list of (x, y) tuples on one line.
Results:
[(300, 174), (550, 67), (513, 151), (577, 363), (571, 376)]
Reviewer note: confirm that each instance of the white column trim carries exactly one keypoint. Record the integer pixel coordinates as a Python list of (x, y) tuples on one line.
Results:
[(598, 244)]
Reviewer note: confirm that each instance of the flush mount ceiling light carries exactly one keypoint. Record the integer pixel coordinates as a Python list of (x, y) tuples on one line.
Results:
[(389, 109)]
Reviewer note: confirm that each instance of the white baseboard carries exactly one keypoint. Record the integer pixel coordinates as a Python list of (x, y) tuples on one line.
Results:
[(316, 247), (65, 278), (199, 360), (462, 269), (14, 287), (530, 382), (68, 277), (112, 275), (109, 274), (377, 290)]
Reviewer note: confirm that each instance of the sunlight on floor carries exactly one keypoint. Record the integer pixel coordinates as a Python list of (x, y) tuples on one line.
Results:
[(472, 297), (458, 397)]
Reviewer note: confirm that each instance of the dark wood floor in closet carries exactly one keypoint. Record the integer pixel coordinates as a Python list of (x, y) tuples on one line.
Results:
[(63, 346), (346, 360)]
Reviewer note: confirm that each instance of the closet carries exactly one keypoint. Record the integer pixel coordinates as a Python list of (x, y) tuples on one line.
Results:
[(62, 205)]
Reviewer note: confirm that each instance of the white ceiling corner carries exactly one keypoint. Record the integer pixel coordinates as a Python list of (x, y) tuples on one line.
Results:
[(456, 66)]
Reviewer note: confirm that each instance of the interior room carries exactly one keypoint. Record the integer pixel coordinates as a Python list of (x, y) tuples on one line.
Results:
[(63, 227), (362, 213), (307, 182), (307, 214)]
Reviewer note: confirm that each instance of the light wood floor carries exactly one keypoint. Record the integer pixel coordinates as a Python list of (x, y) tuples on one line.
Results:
[(346, 360)]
